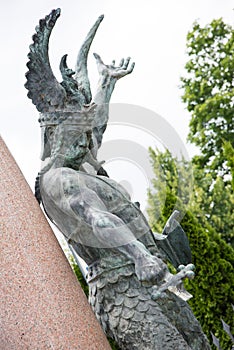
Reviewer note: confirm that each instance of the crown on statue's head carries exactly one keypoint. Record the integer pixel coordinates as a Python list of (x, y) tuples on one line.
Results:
[(83, 119)]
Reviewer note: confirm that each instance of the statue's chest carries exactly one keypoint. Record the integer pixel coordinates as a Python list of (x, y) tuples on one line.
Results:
[(63, 185), (110, 192)]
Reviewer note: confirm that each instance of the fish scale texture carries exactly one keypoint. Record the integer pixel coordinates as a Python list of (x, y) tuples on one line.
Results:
[(126, 312)]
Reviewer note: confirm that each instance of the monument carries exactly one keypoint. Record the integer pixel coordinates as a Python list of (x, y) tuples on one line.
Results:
[(137, 301)]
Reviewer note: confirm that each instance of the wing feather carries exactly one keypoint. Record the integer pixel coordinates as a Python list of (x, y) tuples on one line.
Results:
[(44, 90), (81, 75)]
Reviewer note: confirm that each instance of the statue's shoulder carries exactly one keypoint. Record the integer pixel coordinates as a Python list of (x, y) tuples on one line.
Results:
[(69, 181), (114, 185), (58, 174), (55, 179)]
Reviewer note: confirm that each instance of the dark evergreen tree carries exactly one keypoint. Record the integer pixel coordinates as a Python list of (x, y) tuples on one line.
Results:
[(213, 287)]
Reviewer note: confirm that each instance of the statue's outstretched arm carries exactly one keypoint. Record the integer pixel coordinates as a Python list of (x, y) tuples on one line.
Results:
[(108, 76)]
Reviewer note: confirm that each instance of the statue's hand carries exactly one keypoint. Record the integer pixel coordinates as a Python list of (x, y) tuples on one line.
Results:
[(150, 269), (113, 71)]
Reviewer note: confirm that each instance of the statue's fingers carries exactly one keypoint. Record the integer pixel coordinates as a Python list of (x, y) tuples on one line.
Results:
[(131, 68), (121, 62), (126, 62), (98, 58)]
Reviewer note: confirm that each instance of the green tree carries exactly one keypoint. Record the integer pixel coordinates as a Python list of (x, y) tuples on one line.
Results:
[(229, 154), (214, 198), (209, 96), (213, 287), (79, 276), (209, 92)]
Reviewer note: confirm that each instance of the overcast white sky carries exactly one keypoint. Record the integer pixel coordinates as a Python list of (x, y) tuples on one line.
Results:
[(152, 32)]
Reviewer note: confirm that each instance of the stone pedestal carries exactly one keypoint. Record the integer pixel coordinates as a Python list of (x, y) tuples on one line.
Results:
[(42, 304)]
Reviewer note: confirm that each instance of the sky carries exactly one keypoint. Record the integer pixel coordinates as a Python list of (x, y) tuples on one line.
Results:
[(152, 32)]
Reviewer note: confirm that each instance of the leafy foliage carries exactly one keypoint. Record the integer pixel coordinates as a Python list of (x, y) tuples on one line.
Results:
[(213, 287), (171, 178), (209, 96), (227, 329), (214, 197), (79, 276), (209, 92), (229, 154)]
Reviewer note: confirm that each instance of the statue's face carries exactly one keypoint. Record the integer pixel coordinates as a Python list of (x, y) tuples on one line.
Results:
[(74, 147), (77, 146)]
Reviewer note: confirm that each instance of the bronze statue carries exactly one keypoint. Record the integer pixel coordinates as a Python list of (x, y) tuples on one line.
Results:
[(134, 296)]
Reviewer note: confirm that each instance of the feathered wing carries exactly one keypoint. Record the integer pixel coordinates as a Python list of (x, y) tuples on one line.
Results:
[(81, 75), (44, 89)]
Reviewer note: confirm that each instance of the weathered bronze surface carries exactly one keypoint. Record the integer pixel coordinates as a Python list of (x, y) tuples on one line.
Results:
[(136, 299)]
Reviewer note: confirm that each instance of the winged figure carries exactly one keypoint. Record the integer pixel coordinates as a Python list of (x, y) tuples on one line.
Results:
[(133, 294)]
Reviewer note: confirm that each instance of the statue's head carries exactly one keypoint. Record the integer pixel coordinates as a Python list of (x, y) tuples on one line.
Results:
[(67, 135), (75, 146), (60, 104)]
